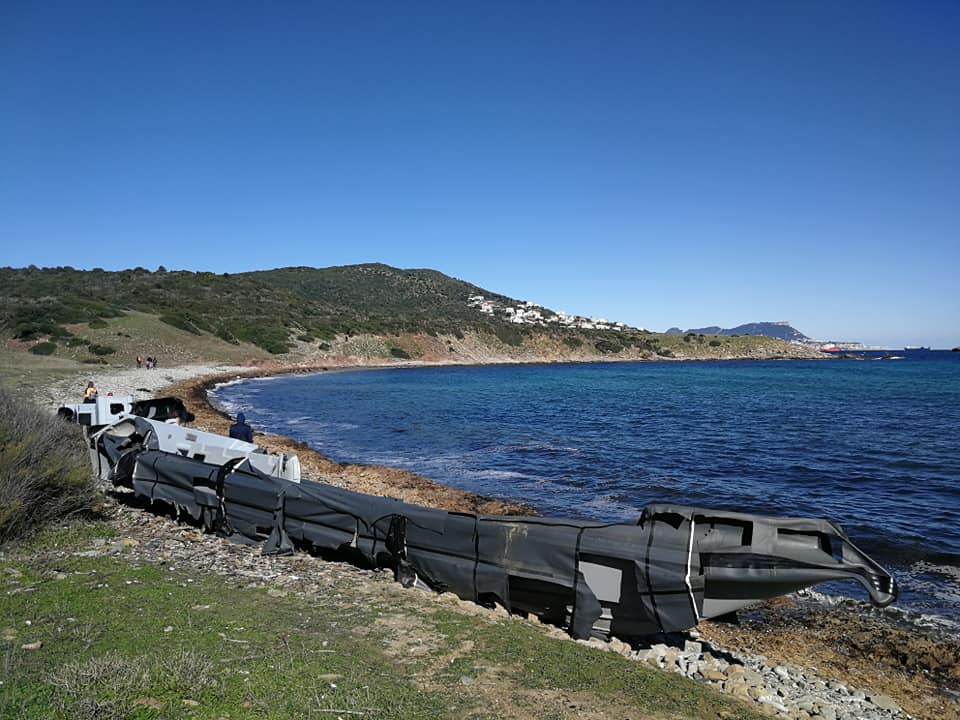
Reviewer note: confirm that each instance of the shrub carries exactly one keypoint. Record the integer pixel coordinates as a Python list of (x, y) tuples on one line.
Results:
[(180, 321), (97, 324), (399, 353), (607, 346), (45, 475), (225, 334), (715, 343), (77, 342), (44, 348), (101, 349), (508, 335), (323, 346), (94, 361), (573, 343)]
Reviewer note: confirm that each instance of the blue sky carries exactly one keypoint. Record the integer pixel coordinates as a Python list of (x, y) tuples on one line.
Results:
[(657, 163)]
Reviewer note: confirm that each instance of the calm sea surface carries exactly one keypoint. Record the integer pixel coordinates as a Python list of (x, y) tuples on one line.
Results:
[(872, 444)]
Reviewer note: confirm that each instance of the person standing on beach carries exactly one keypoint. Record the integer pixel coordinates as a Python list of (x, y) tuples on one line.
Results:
[(139, 362), (90, 394), (240, 430)]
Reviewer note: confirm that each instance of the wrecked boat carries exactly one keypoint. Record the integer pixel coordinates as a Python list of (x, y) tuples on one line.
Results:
[(108, 409), (673, 567)]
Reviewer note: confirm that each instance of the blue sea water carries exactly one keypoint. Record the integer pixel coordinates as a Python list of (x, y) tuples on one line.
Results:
[(871, 444)]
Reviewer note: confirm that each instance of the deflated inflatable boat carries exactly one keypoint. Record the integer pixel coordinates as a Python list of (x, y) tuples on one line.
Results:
[(675, 566)]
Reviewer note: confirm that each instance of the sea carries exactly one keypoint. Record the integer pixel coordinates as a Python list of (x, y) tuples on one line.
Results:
[(872, 443)]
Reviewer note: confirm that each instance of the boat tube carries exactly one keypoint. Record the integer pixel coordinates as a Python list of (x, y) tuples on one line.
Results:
[(673, 567)]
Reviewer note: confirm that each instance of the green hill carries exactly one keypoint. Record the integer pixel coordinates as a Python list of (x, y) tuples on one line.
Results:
[(364, 312), (407, 297), (350, 299), (265, 308)]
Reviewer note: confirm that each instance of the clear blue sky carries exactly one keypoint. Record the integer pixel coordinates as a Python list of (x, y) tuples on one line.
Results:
[(658, 163)]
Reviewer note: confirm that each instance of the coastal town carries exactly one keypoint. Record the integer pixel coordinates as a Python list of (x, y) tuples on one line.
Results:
[(528, 313)]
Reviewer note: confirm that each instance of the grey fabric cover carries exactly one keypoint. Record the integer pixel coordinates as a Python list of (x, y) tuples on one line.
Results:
[(661, 566)]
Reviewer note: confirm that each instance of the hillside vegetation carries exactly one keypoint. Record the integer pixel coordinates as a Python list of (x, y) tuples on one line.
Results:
[(369, 311)]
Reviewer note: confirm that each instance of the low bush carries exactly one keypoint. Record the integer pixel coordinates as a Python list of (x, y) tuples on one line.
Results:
[(97, 324), (44, 348), (399, 353), (45, 475), (183, 322), (715, 343), (608, 346), (573, 343), (508, 335), (101, 349)]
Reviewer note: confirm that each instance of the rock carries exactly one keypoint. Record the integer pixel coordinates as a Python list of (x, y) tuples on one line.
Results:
[(782, 672), (660, 649), (466, 680), (31, 646), (189, 703), (151, 703), (618, 646), (695, 648), (276, 593), (713, 675), (753, 678), (884, 703)]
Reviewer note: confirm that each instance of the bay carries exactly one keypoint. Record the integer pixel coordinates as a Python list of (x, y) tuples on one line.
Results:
[(871, 444)]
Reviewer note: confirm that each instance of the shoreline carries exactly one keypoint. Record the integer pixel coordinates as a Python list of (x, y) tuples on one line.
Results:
[(919, 670)]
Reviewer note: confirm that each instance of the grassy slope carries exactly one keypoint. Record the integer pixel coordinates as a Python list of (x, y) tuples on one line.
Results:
[(126, 639)]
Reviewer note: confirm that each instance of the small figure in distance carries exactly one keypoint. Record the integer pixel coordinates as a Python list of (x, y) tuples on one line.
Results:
[(149, 362), (90, 394), (139, 362), (240, 430)]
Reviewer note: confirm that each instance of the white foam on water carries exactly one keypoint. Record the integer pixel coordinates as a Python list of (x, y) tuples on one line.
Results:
[(929, 621)]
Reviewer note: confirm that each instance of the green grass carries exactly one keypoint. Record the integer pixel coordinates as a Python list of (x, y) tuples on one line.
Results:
[(138, 641), (128, 640)]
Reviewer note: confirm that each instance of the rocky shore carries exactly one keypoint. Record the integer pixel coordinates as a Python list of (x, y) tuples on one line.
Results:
[(795, 658)]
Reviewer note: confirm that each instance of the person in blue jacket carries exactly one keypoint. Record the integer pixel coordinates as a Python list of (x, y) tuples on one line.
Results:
[(240, 430)]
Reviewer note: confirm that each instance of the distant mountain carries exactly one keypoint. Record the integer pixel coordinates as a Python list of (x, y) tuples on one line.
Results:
[(779, 330)]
